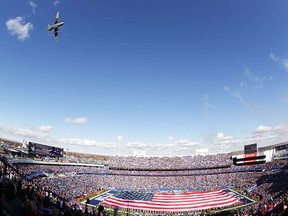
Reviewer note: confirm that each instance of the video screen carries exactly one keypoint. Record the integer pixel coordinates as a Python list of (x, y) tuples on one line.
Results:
[(45, 150), (249, 149)]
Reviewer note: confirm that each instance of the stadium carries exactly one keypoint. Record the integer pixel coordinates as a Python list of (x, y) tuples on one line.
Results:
[(45, 180), (144, 108)]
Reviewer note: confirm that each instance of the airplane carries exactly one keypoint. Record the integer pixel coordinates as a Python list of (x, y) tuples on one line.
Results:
[(56, 26)]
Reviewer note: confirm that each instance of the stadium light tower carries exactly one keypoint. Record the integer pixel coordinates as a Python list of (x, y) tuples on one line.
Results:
[(220, 137), (119, 138)]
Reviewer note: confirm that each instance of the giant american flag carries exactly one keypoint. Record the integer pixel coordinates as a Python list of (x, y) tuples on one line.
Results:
[(171, 202)]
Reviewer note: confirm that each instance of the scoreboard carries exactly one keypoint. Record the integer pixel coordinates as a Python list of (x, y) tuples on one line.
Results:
[(250, 156), (250, 149), (44, 150)]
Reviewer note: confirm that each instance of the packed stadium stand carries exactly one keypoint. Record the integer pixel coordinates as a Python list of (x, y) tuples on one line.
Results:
[(118, 185)]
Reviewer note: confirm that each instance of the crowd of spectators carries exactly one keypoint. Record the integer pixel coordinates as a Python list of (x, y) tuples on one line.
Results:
[(20, 197), (85, 184), (271, 195), (44, 195), (185, 162), (26, 169)]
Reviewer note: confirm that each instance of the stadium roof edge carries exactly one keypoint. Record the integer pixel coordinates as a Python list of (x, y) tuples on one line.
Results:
[(21, 161)]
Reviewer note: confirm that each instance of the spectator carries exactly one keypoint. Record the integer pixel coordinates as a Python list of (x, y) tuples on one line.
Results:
[(30, 208), (101, 211), (10, 204)]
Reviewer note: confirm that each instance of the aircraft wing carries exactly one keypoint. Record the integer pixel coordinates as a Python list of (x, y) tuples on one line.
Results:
[(57, 18)]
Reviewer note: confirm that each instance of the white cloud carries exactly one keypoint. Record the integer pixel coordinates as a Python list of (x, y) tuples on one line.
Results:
[(25, 133), (267, 135), (256, 81), (274, 57), (283, 62), (79, 120), (263, 129), (77, 141), (207, 104), (268, 78), (185, 143), (281, 130), (263, 135), (162, 149), (88, 143), (45, 128), (224, 143), (56, 2), (33, 6), (222, 139), (18, 27), (136, 145), (237, 95)]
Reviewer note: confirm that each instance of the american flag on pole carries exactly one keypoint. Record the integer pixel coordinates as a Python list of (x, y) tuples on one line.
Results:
[(171, 202)]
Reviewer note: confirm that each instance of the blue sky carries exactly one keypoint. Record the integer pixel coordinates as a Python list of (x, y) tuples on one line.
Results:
[(161, 76)]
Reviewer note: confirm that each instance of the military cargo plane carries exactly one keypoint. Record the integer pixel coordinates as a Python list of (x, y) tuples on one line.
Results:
[(56, 26)]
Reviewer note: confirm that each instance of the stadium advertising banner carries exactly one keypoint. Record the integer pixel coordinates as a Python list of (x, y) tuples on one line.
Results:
[(44, 150)]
